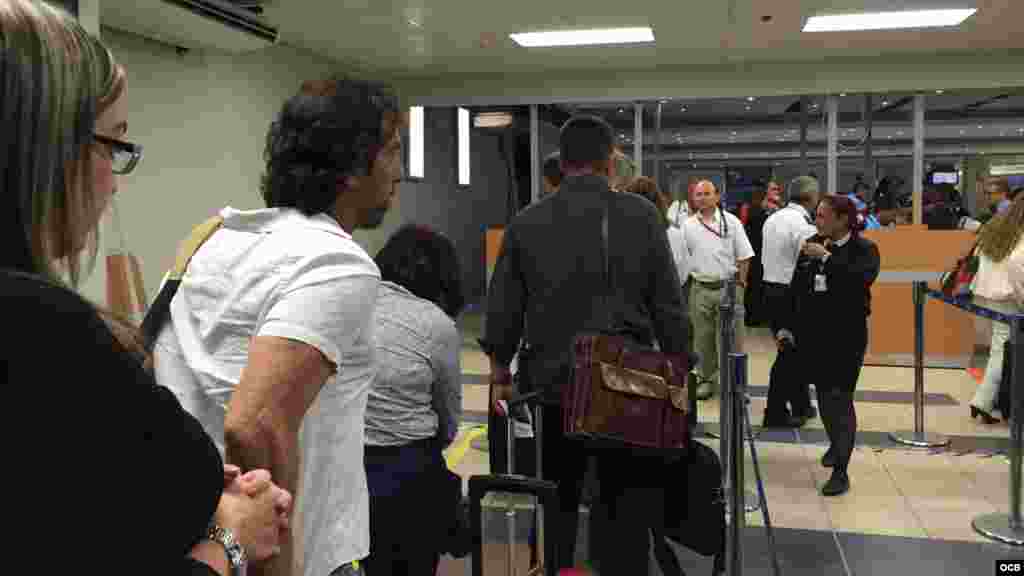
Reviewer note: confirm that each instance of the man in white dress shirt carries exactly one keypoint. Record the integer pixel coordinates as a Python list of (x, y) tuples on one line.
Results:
[(719, 251), (784, 235)]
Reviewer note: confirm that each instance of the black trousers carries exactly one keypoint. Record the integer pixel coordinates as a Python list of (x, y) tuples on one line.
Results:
[(838, 369), (402, 481), (789, 381), (620, 516)]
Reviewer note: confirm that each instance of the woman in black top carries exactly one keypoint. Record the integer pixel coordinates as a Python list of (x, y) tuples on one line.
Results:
[(833, 286), (113, 475)]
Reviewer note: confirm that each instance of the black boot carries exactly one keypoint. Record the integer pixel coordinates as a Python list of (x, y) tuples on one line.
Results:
[(838, 484), (829, 459)]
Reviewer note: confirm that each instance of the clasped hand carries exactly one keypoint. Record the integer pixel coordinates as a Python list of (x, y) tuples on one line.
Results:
[(256, 510), (815, 250)]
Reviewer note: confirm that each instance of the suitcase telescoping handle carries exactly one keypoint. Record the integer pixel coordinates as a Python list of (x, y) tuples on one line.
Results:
[(510, 425)]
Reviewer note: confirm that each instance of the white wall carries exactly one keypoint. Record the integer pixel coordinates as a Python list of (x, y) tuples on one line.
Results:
[(202, 119)]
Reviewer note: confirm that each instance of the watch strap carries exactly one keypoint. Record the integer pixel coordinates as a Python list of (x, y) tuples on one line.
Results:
[(236, 554)]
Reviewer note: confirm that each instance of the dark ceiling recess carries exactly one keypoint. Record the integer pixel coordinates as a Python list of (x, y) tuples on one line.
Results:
[(766, 18)]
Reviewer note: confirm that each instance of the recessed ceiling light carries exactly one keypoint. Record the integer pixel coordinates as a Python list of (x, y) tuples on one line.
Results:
[(940, 91), (749, 108), (751, 98), (892, 20), (980, 127), (842, 94), (621, 110), (583, 37), (683, 109), (885, 102)]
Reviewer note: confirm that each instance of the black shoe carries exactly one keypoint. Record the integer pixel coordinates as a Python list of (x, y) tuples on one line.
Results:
[(985, 416), (838, 484), (829, 459)]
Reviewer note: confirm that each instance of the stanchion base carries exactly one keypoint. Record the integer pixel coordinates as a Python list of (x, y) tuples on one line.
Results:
[(997, 527), (920, 439)]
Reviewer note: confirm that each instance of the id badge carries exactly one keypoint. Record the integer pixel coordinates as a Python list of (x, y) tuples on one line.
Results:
[(819, 283)]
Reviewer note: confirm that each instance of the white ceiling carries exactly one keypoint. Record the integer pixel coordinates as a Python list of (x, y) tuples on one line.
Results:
[(417, 37)]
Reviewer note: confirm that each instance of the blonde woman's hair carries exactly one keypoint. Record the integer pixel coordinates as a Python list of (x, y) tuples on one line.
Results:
[(1000, 235), (55, 80)]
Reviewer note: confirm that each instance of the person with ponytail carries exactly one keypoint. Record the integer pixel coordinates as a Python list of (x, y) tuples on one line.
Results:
[(832, 286)]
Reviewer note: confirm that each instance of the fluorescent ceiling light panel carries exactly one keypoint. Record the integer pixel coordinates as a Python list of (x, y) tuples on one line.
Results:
[(416, 142), (888, 20), (463, 147), (583, 37)]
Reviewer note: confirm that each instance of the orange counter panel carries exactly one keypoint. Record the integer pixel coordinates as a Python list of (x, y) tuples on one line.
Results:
[(949, 332)]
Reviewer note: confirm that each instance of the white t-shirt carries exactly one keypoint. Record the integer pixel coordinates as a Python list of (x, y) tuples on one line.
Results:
[(715, 248), (680, 255), (784, 235), (276, 272)]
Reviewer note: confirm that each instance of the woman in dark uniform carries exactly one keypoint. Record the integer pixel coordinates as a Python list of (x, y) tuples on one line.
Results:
[(835, 275)]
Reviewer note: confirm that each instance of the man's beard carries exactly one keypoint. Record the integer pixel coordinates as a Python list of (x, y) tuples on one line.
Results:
[(374, 217)]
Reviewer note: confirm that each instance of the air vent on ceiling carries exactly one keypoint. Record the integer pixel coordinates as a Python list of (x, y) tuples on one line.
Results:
[(213, 24)]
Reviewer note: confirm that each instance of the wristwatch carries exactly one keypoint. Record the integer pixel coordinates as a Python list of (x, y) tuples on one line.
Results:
[(235, 552)]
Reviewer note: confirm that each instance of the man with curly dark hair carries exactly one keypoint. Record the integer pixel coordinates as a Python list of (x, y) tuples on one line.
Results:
[(272, 324)]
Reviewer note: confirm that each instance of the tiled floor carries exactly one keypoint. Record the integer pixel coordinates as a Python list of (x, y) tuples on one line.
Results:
[(909, 511)]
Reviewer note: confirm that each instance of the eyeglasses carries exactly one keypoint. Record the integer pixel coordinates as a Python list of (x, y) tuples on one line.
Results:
[(124, 156)]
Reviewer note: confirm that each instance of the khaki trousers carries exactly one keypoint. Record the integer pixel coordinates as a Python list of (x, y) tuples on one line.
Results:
[(707, 330)]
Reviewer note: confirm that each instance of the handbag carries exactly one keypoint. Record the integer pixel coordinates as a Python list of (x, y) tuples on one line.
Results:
[(957, 282), (621, 393)]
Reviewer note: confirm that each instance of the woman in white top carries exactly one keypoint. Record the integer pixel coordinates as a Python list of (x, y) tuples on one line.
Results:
[(648, 188), (998, 285)]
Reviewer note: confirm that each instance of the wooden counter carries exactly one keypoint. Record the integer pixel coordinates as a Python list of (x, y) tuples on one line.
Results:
[(949, 332)]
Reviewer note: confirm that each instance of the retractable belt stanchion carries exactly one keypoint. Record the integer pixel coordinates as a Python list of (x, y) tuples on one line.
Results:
[(918, 437), (1008, 528), (733, 403), (726, 345)]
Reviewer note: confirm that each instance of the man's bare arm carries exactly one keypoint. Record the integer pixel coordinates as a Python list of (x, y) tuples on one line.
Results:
[(261, 428), (743, 272)]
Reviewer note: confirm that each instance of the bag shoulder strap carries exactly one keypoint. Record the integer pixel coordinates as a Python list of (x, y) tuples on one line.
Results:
[(607, 267), (160, 311)]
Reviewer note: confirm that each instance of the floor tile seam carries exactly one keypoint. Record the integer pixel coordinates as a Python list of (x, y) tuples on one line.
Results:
[(821, 503), (906, 499)]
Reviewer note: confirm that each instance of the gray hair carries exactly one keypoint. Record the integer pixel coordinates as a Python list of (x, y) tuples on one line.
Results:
[(55, 79), (802, 189)]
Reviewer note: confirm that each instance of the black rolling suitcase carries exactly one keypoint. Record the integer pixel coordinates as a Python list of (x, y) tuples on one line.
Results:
[(545, 492)]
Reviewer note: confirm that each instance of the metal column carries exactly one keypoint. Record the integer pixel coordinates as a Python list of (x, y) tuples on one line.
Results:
[(918, 158), (1008, 528), (805, 102), (535, 185), (656, 172), (832, 166), (918, 437), (870, 172), (638, 139)]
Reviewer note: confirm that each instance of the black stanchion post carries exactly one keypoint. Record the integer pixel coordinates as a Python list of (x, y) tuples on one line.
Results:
[(1008, 528), (736, 406), (918, 437)]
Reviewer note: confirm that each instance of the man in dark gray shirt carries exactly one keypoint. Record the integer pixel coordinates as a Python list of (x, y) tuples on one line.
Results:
[(549, 284)]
